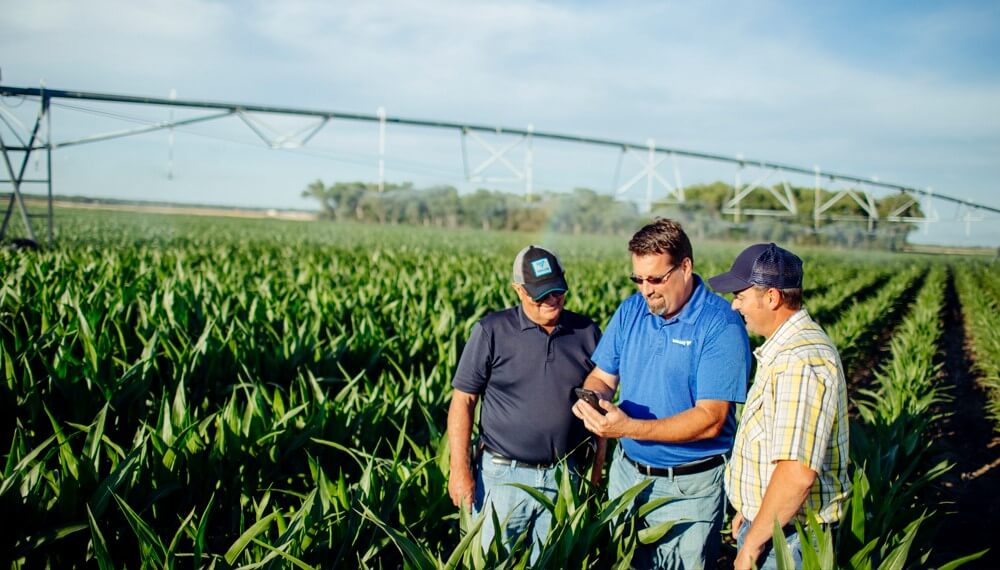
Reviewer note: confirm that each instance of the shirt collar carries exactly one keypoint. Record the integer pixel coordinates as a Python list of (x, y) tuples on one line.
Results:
[(767, 351), (692, 308), (526, 324)]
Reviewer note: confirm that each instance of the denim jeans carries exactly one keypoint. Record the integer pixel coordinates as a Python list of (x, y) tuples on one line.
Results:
[(767, 559), (519, 509), (698, 506)]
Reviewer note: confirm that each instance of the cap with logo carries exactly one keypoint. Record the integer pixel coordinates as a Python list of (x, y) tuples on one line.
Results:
[(538, 270), (763, 264)]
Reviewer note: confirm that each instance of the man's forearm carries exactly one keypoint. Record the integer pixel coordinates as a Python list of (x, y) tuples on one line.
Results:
[(461, 486), (602, 383), (786, 492), (460, 419), (703, 421)]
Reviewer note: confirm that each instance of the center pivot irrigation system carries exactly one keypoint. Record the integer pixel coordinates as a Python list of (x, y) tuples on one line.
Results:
[(649, 156)]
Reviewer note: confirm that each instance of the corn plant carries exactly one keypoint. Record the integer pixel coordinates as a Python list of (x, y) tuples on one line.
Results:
[(190, 392), (978, 288)]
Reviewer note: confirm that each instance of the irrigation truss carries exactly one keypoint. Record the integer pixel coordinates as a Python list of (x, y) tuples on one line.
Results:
[(22, 142)]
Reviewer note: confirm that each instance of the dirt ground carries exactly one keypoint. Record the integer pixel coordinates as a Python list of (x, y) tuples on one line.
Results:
[(970, 492)]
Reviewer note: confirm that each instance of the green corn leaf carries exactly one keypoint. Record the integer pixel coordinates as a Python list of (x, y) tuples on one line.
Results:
[(618, 505), (86, 337), (964, 560), (782, 553), (251, 533), (175, 541), (149, 542), (52, 536), (277, 552), (650, 506), (25, 464), (92, 445), (67, 459), (199, 541), (99, 499), (539, 496), (407, 547), (651, 535), (100, 545), (896, 558)]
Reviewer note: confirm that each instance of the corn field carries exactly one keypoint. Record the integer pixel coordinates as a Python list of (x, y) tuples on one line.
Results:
[(214, 393)]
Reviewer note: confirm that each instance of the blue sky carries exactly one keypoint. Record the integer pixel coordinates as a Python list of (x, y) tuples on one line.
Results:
[(908, 92)]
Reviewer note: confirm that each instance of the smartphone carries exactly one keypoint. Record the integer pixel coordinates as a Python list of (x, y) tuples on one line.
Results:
[(591, 398)]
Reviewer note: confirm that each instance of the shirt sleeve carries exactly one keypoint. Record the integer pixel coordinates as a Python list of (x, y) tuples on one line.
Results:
[(475, 365), (607, 355), (724, 365), (805, 412)]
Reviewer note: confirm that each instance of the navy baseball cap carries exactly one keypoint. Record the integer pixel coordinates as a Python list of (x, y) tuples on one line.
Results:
[(538, 270), (763, 264)]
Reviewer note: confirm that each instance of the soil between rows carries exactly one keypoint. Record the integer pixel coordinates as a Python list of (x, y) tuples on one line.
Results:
[(970, 492)]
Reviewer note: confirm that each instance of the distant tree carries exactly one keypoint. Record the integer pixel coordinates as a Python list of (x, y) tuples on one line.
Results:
[(317, 191), (586, 211), (443, 205)]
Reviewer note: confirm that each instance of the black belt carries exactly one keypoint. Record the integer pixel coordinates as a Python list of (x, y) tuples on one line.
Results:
[(499, 459), (686, 469)]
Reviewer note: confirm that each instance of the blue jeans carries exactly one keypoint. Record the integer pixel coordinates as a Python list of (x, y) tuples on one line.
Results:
[(516, 510), (698, 505), (767, 559)]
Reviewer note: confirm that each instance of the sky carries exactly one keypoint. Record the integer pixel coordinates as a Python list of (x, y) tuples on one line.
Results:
[(908, 92)]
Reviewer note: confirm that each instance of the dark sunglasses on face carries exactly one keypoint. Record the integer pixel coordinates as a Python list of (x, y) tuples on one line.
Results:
[(652, 280)]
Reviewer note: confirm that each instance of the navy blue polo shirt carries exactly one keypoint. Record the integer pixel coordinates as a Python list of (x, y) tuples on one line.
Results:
[(665, 365), (526, 378)]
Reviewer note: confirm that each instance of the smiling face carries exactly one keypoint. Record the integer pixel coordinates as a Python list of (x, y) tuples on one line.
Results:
[(676, 282), (544, 312), (752, 304)]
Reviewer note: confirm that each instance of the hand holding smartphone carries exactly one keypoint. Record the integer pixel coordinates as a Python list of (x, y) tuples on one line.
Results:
[(591, 398)]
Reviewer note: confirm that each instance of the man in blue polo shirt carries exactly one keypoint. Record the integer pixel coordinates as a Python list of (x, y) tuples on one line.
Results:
[(682, 359), (524, 363)]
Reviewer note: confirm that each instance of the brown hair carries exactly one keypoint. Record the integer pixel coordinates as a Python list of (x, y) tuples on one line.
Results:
[(663, 236), (791, 298)]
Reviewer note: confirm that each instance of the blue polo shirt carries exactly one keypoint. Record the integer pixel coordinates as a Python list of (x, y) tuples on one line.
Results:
[(665, 365), (526, 379)]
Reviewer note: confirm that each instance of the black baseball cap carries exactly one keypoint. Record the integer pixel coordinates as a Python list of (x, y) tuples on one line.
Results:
[(763, 264), (538, 270)]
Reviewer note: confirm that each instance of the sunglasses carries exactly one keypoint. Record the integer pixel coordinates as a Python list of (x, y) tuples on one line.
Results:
[(652, 280)]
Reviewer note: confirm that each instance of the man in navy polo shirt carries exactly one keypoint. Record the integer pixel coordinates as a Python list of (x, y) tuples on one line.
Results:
[(682, 360), (524, 363)]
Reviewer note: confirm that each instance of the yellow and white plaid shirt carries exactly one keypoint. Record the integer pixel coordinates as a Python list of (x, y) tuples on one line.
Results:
[(796, 409)]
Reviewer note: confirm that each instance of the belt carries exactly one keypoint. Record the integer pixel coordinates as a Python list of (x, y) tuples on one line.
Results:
[(499, 459), (686, 469)]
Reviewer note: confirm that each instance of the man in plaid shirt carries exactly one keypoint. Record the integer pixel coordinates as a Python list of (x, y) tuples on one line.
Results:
[(790, 451)]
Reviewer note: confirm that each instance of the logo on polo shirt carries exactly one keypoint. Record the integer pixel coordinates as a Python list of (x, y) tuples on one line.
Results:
[(541, 267), (681, 342)]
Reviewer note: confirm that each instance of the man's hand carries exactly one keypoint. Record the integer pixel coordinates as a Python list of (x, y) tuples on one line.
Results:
[(461, 488), (746, 558), (738, 521), (615, 423)]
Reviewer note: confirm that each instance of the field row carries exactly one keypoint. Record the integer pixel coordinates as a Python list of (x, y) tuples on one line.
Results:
[(191, 392)]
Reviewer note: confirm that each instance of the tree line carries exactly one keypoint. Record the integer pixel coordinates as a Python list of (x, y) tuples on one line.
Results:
[(584, 210)]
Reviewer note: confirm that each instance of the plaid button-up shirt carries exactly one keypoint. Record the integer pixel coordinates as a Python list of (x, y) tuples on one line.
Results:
[(796, 409)]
